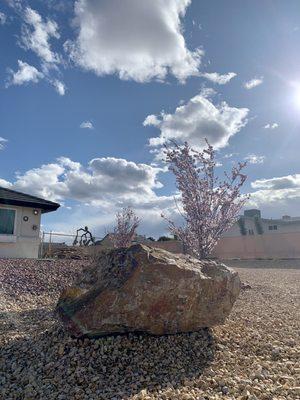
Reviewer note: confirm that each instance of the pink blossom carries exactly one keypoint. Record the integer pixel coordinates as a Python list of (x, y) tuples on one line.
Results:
[(125, 229)]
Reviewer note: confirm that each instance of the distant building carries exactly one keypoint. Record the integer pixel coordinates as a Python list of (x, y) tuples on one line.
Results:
[(255, 237), (20, 218), (251, 224)]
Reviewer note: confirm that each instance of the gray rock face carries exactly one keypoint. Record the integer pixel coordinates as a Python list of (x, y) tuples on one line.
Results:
[(149, 290)]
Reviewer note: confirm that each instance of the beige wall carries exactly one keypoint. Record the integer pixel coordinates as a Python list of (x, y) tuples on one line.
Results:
[(174, 246), (281, 245), (24, 243)]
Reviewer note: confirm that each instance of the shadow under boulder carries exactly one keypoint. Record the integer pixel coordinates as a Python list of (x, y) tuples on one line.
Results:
[(111, 367)]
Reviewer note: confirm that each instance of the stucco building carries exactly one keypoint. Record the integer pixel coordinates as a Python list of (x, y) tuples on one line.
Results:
[(20, 219), (256, 237)]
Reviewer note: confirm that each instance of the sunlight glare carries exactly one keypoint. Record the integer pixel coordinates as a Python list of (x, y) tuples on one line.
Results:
[(297, 96)]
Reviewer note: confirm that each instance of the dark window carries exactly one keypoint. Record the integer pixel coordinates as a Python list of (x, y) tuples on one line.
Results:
[(272, 227), (7, 221), (250, 231)]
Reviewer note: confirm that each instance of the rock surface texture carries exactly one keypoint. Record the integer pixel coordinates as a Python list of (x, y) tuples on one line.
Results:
[(142, 289)]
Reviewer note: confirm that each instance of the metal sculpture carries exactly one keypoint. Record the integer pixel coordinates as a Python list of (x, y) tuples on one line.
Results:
[(85, 239)]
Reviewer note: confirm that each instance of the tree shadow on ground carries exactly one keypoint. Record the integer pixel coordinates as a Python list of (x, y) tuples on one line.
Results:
[(112, 367)]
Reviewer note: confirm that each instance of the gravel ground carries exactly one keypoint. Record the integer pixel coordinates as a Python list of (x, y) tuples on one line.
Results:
[(255, 355)]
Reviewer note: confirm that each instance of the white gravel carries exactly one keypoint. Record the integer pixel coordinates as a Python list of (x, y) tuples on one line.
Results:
[(255, 355)]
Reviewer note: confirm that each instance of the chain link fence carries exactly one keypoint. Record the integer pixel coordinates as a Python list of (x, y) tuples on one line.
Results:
[(53, 243)]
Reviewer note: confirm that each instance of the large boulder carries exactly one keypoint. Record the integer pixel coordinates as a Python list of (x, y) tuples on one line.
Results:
[(149, 290)]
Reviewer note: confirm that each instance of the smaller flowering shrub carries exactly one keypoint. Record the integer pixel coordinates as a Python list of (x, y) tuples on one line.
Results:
[(125, 229)]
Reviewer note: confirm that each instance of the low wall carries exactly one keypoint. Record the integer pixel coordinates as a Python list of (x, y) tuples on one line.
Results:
[(279, 245), (174, 246)]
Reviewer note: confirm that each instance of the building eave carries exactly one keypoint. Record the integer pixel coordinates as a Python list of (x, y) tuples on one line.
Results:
[(11, 197)]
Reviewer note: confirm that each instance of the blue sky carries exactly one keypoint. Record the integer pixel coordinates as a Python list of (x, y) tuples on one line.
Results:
[(90, 90)]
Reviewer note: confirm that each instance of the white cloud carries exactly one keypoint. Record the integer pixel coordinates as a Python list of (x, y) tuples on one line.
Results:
[(43, 181), (101, 218), (36, 36), (87, 125), (28, 73), (198, 119), (255, 159), (2, 143), (279, 183), (218, 78), (16, 4), (271, 126), (229, 155), (138, 40), (278, 195), (25, 74), (253, 83), (59, 87), (2, 18), (151, 120), (108, 183), (105, 180), (99, 190), (5, 184)]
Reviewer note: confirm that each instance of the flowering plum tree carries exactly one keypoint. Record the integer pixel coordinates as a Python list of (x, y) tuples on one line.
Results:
[(209, 205), (125, 229)]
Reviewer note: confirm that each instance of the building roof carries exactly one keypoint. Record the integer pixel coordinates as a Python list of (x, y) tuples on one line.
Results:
[(285, 220), (14, 198), (281, 221)]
